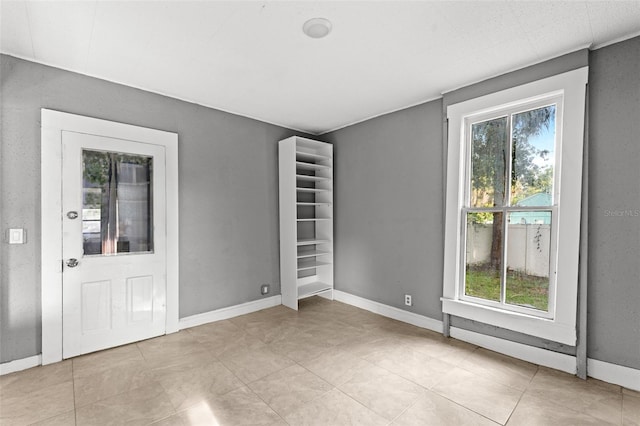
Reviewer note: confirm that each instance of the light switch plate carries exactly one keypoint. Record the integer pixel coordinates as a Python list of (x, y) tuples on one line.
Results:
[(16, 236)]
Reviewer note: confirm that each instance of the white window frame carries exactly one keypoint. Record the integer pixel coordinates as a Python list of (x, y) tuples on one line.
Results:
[(559, 324)]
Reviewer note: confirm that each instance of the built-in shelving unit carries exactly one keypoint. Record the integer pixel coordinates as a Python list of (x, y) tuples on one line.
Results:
[(306, 219)]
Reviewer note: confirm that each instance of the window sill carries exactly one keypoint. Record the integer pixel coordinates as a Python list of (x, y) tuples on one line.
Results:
[(543, 328)]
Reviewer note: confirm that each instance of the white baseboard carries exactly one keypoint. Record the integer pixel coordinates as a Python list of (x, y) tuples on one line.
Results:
[(388, 311), (230, 312), (20, 364), (544, 357), (612, 373)]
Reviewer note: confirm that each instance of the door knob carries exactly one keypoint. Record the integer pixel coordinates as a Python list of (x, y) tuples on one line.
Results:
[(72, 263), (72, 215)]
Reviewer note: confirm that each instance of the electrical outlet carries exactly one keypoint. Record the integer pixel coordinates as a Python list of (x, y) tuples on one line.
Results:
[(407, 300), (264, 289)]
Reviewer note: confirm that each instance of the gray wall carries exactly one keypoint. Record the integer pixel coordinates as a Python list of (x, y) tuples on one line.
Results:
[(614, 182), (389, 191), (388, 208), (228, 192), (388, 200)]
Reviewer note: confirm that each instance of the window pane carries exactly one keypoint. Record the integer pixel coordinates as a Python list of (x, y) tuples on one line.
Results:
[(117, 211), (532, 156), (483, 255), (528, 265), (488, 160)]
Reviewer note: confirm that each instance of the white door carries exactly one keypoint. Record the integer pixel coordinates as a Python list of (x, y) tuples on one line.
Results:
[(114, 242)]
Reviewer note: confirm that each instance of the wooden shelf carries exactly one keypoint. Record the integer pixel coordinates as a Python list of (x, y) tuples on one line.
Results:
[(313, 288)]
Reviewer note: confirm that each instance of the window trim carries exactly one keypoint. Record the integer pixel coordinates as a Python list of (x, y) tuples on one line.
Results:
[(561, 326)]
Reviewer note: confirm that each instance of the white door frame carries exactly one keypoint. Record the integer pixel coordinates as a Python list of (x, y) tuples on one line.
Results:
[(53, 123)]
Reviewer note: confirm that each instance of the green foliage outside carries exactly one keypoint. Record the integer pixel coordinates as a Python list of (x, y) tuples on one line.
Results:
[(490, 150), (522, 289)]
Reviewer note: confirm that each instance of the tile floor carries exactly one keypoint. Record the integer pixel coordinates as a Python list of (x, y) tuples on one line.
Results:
[(328, 364)]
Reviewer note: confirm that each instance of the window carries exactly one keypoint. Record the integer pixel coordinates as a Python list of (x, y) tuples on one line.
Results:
[(513, 207), (117, 209)]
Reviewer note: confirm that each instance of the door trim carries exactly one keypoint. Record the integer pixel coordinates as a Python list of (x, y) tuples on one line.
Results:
[(52, 125)]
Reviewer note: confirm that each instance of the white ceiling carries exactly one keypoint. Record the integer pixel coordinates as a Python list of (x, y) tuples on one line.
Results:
[(251, 58)]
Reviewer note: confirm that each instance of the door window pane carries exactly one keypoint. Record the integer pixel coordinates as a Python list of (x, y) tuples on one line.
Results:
[(483, 267), (528, 260), (488, 162), (117, 210), (532, 156)]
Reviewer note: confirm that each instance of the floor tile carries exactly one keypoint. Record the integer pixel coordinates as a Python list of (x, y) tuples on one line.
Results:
[(383, 392), (196, 380), (412, 364), (336, 409), (592, 397), (111, 382), (483, 396), (630, 409), (254, 362), (275, 315), (365, 319), (500, 368), (64, 419), (370, 345), (535, 411), (336, 365), (434, 410), (300, 347), (333, 333), (270, 333), (287, 389), (26, 407), (326, 364), (626, 391), (237, 408), (165, 350), (219, 331), (35, 378), (449, 350), (140, 406), (224, 337), (97, 362)]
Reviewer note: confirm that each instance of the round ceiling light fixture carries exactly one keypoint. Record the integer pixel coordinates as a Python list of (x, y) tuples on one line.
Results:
[(317, 27)]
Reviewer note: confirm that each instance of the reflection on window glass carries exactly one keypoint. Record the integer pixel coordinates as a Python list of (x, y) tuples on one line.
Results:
[(528, 260), (117, 210), (532, 156), (483, 269), (488, 162)]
